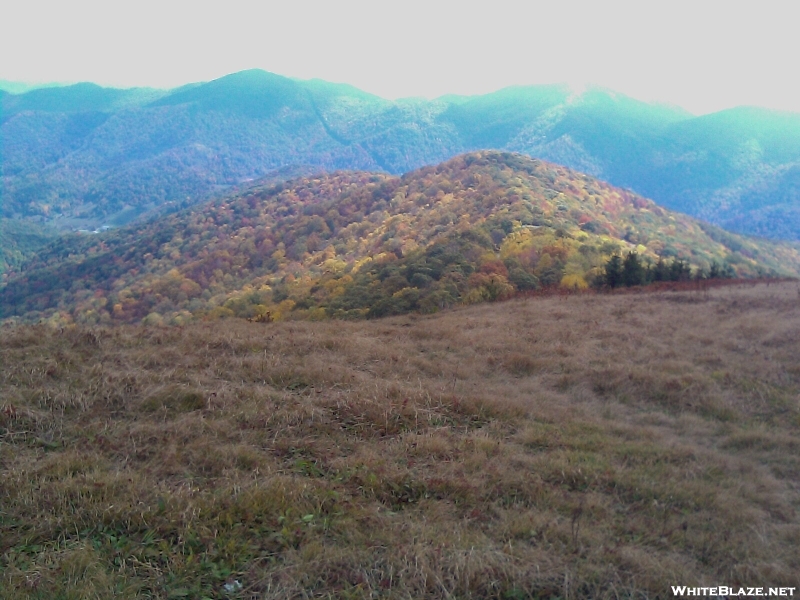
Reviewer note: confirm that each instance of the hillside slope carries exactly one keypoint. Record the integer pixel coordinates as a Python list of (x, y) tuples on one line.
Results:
[(481, 226), (107, 151), (566, 447), (738, 168), (83, 156)]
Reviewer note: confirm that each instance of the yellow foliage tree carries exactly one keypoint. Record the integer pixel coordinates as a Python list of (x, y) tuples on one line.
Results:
[(574, 282)]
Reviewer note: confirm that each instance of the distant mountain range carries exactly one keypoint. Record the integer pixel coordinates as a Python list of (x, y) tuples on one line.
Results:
[(81, 156), (481, 226)]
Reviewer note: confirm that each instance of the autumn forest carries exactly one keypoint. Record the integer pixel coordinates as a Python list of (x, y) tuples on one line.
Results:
[(482, 226)]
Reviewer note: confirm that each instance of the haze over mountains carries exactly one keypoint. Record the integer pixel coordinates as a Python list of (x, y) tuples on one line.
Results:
[(84, 156)]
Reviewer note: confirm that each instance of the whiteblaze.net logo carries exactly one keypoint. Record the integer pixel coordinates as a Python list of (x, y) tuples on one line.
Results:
[(731, 592)]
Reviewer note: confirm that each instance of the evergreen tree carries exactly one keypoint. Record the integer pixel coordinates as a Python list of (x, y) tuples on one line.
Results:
[(633, 272), (614, 271), (649, 272), (679, 270), (661, 271)]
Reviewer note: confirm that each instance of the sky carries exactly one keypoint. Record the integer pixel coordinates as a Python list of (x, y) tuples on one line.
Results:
[(702, 55)]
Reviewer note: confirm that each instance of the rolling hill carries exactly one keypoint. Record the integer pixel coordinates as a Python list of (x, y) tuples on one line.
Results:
[(481, 226), (82, 156), (606, 446)]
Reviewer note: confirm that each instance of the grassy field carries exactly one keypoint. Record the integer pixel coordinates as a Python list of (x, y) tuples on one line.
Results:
[(604, 446)]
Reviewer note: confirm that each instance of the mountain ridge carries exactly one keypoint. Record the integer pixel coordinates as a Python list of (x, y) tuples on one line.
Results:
[(478, 227), (82, 156)]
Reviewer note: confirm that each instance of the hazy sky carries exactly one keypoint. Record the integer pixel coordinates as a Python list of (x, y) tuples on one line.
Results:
[(703, 56)]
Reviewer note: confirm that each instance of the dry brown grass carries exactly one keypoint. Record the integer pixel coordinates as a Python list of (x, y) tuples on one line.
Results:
[(593, 446)]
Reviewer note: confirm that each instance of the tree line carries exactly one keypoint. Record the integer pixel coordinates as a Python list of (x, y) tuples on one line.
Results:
[(633, 270)]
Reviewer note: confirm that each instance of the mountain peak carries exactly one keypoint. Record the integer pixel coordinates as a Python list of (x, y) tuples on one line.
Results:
[(480, 226), (254, 93)]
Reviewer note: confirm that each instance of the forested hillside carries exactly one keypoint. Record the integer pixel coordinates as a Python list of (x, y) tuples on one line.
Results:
[(83, 156), (482, 226), (19, 240)]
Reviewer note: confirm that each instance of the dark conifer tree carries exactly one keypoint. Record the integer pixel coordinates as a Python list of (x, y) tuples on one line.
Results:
[(633, 272), (661, 271), (614, 271), (679, 270)]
